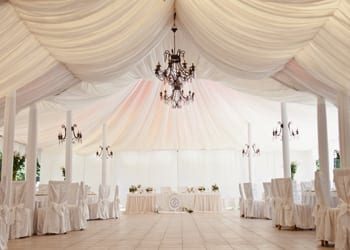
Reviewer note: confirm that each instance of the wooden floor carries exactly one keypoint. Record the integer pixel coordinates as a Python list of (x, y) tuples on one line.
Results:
[(175, 231)]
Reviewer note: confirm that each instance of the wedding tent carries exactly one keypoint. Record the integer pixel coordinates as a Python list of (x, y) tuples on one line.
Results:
[(97, 59)]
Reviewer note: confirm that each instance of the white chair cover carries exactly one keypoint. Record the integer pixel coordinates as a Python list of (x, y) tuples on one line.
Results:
[(100, 210), (284, 202), (253, 208), (23, 217), (325, 216), (4, 216), (114, 210), (75, 216), (54, 218), (342, 183), (275, 203), (267, 200), (241, 200)]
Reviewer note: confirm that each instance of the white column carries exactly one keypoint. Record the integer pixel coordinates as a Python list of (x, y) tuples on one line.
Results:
[(323, 145), (104, 155), (69, 151), (250, 152), (285, 142), (31, 156), (344, 129), (9, 137)]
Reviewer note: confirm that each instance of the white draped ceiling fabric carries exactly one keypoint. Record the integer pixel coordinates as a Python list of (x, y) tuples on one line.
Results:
[(96, 58)]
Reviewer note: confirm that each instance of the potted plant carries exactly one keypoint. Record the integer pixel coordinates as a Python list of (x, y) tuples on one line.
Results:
[(201, 189), (293, 168), (149, 189), (132, 189)]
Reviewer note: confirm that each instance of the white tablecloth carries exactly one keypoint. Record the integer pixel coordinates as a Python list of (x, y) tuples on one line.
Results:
[(140, 203), (198, 202), (309, 198)]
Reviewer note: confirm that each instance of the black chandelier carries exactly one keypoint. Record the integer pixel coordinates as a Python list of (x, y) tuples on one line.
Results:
[(76, 135), (249, 150), (278, 132), (101, 150), (176, 74)]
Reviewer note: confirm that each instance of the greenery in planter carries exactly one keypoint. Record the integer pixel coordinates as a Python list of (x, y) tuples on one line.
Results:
[(293, 168), (317, 165)]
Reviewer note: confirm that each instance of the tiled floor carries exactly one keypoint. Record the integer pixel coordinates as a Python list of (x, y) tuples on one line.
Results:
[(175, 231)]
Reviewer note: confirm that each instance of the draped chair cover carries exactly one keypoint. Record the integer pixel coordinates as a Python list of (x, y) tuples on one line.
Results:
[(54, 218), (73, 206), (100, 210), (241, 200), (284, 202), (325, 216), (23, 217), (114, 209), (83, 204), (267, 200), (342, 183), (275, 203), (253, 208), (4, 215)]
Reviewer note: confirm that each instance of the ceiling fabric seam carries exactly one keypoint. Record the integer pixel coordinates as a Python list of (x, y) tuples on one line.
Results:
[(308, 42), (42, 46)]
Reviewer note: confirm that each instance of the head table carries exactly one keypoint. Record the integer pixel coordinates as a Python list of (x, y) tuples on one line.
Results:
[(157, 202)]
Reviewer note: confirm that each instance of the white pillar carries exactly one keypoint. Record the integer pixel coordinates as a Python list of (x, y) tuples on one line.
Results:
[(69, 151), (323, 145), (31, 156), (250, 153), (344, 129), (285, 142), (9, 137), (104, 155)]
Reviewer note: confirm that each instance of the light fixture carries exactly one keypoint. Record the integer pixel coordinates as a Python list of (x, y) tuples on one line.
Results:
[(278, 132), (76, 135), (176, 74), (249, 150), (101, 150)]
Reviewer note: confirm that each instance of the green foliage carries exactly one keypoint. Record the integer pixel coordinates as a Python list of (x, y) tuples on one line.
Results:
[(317, 165), (19, 166), (293, 168)]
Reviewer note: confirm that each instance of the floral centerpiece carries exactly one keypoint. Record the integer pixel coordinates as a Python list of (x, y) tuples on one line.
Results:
[(201, 189), (214, 188), (132, 189), (190, 190), (149, 189)]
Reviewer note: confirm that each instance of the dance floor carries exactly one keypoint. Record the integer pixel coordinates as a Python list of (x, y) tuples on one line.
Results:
[(175, 231)]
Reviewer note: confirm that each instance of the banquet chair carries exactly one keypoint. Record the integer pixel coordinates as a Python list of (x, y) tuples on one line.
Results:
[(342, 183), (275, 200), (267, 200), (114, 210), (54, 218), (241, 200), (73, 205), (23, 217), (325, 215), (253, 208), (100, 209), (306, 187), (43, 188), (283, 196), (4, 215)]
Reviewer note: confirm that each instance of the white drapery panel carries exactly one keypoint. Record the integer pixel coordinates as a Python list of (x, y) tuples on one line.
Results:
[(104, 48)]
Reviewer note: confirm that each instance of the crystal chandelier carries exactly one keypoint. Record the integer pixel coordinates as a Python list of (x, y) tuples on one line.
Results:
[(101, 150), (76, 135), (249, 150), (176, 74), (278, 132)]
